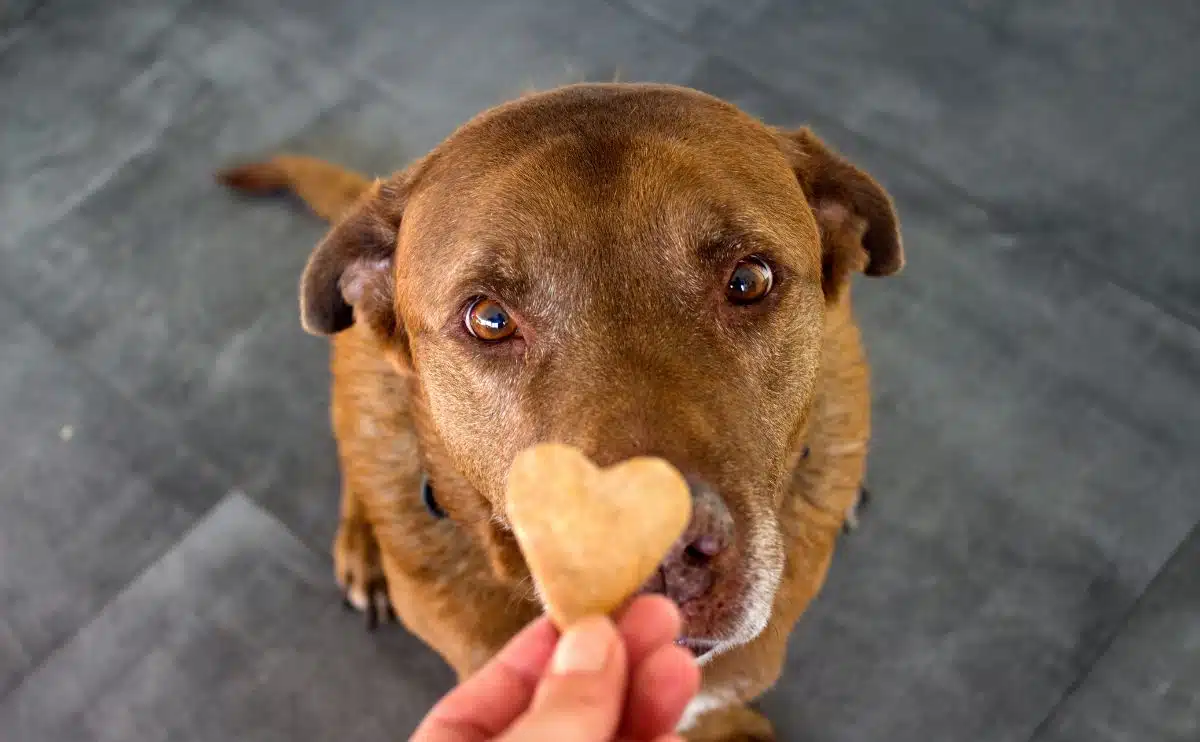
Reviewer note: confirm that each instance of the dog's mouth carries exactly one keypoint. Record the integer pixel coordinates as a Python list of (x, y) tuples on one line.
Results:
[(708, 605)]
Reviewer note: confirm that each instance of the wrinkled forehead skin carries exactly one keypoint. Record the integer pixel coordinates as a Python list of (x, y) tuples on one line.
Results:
[(605, 218)]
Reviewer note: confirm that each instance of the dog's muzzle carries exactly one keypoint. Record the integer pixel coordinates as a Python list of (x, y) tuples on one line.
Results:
[(700, 572)]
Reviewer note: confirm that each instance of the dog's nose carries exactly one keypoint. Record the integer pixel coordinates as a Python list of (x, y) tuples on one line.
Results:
[(691, 566)]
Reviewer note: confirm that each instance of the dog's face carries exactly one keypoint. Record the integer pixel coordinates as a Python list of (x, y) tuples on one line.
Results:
[(633, 270)]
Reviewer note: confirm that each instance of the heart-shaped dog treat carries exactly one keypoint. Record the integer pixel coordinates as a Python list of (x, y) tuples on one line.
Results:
[(591, 536)]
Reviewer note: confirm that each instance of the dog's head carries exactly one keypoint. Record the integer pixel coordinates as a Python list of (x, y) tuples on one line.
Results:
[(629, 269)]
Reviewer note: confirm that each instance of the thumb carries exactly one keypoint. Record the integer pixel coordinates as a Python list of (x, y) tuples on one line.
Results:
[(581, 696)]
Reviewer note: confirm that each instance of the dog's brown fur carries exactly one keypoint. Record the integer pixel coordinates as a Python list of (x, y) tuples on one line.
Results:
[(606, 218)]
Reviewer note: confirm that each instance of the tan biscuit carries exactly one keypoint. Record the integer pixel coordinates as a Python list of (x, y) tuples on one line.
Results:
[(592, 536)]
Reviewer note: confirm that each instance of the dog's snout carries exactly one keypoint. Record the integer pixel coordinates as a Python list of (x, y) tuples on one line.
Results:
[(692, 566)]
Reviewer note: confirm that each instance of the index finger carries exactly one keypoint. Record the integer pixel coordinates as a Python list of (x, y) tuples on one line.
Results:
[(488, 702), (647, 623)]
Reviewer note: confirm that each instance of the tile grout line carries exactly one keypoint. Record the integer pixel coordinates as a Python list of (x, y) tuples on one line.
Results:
[(58, 647), (222, 477), (1069, 692), (181, 440)]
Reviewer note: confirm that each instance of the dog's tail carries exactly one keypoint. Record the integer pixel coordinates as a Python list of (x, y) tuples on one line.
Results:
[(328, 189)]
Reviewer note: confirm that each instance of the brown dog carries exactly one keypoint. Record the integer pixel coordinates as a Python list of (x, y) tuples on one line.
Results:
[(631, 269)]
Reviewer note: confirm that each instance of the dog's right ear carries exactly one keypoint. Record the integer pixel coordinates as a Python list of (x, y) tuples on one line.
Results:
[(858, 223), (350, 276)]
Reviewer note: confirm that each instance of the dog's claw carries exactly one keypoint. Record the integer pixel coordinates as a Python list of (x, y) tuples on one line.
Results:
[(378, 606), (856, 511), (373, 602)]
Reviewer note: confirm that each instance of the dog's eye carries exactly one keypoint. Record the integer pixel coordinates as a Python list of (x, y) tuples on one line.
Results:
[(750, 281), (489, 321)]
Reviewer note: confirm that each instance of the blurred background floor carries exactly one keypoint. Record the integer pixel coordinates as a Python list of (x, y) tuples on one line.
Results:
[(168, 491)]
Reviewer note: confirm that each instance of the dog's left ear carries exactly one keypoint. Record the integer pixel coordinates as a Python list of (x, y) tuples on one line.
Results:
[(348, 277), (859, 227)]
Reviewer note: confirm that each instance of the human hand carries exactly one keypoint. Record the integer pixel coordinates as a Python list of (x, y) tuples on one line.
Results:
[(600, 682)]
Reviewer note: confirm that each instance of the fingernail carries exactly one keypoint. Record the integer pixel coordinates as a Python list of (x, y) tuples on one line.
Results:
[(585, 647)]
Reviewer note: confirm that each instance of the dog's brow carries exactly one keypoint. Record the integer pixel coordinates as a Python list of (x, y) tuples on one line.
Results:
[(491, 275), (728, 242)]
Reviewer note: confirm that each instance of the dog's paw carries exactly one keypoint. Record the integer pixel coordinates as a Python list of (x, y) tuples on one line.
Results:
[(359, 572), (856, 511)]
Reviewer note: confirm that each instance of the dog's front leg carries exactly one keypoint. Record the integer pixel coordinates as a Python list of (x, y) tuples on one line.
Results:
[(357, 564)]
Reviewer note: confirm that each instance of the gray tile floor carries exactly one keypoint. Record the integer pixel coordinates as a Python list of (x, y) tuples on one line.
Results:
[(167, 488)]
